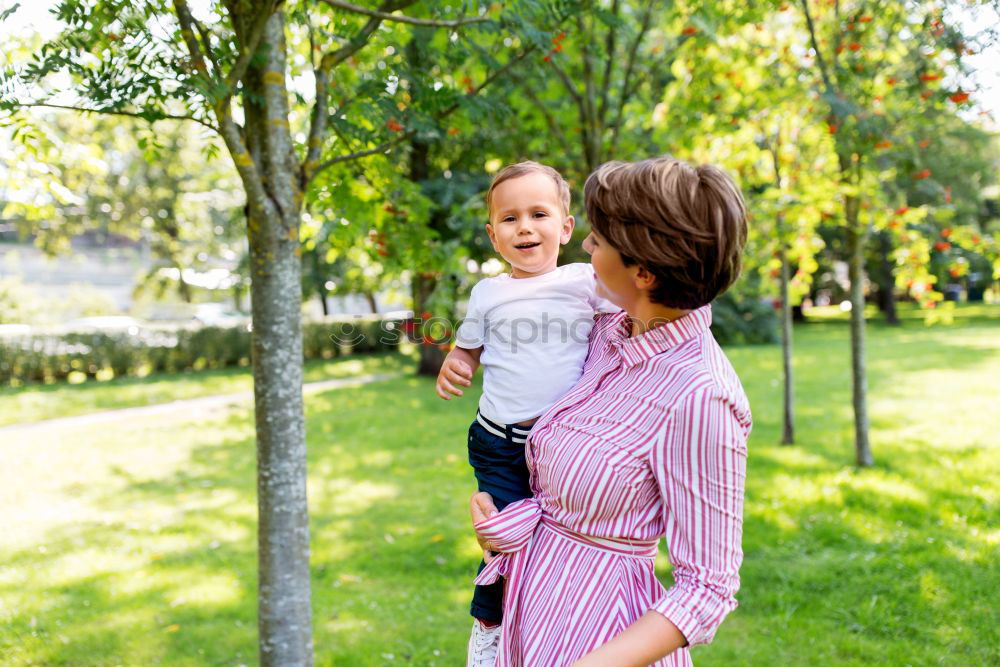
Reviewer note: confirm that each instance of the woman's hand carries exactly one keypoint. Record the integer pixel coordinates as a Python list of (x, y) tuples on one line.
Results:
[(481, 507)]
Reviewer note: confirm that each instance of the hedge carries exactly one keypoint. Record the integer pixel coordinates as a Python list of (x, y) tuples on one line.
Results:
[(743, 321), (53, 357)]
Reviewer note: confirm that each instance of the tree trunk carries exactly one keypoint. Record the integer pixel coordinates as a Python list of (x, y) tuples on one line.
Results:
[(887, 284), (182, 285), (284, 615), (320, 284), (855, 247), (431, 356), (788, 429), (372, 303)]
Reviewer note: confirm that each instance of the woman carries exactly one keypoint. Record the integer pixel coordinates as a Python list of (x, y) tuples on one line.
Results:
[(650, 442)]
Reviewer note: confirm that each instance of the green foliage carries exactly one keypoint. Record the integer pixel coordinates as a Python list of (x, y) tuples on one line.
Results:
[(14, 308), (742, 321)]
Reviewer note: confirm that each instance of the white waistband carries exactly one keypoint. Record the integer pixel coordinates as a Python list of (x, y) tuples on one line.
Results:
[(516, 437)]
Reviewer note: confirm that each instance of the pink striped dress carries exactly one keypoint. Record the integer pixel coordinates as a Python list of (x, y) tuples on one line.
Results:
[(650, 443)]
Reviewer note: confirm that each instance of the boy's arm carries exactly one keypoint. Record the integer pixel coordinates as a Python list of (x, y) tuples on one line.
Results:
[(458, 368)]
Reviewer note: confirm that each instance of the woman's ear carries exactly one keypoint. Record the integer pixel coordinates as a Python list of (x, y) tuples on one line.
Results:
[(567, 230), (644, 279)]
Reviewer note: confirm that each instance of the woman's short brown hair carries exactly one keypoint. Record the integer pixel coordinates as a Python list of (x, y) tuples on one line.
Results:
[(684, 224)]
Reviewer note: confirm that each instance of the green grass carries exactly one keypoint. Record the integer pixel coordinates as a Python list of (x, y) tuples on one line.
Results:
[(134, 543), (37, 402)]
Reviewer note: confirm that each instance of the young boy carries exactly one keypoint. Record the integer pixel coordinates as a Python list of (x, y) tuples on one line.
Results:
[(529, 330)]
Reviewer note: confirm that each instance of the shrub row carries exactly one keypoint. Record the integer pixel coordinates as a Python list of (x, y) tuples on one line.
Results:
[(54, 357), (743, 321)]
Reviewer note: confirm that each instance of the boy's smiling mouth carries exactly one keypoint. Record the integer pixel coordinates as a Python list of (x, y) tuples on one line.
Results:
[(527, 245)]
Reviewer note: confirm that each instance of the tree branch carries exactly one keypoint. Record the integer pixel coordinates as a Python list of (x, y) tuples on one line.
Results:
[(406, 135), (629, 69), (118, 112), (591, 132), (386, 16), (187, 22), (550, 120), (491, 78), (254, 36), (256, 194), (838, 33), (334, 58), (206, 40), (609, 55), (321, 105), (317, 123), (820, 62), (354, 156), (567, 82)]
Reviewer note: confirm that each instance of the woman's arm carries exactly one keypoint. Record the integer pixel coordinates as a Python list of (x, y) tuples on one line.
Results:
[(642, 643), (481, 507)]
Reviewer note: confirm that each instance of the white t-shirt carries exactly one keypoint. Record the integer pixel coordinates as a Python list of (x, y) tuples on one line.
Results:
[(534, 333)]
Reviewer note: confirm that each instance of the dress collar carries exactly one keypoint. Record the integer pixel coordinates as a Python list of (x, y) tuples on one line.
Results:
[(635, 350)]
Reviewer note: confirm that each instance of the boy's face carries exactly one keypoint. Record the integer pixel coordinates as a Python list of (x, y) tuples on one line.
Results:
[(528, 224)]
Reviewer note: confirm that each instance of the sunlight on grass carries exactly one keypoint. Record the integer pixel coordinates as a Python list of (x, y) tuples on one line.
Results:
[(879, 484), (348, 496)]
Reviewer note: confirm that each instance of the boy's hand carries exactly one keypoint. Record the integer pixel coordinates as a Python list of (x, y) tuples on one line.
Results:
[(453, 372)]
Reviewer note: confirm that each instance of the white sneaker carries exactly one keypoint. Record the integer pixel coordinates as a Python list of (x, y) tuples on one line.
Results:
[(483, 645)]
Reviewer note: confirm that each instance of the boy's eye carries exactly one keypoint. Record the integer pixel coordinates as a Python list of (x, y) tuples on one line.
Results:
[(509, 218), (540, 214)]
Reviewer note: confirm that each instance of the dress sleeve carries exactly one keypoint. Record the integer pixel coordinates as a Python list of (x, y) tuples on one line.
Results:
[(472, 331), (700, 468)]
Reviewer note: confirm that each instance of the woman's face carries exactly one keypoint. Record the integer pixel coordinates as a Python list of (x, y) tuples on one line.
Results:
[(615, 281)]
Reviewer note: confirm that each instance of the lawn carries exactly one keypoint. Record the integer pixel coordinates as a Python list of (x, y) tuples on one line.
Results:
[(133, 543), (37, 402)]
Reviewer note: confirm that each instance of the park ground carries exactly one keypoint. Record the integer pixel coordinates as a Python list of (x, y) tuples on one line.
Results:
[(133, 542)]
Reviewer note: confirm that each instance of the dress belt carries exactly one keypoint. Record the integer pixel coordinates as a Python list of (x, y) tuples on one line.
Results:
[(509, 532), (622, 547)]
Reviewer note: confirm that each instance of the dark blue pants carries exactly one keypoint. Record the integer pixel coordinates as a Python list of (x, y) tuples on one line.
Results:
[(501, 472)]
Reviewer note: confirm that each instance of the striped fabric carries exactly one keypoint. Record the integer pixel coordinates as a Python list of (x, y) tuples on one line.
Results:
[(650, 443)]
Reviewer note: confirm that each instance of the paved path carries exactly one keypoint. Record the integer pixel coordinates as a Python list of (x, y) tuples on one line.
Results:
[(191, 406)]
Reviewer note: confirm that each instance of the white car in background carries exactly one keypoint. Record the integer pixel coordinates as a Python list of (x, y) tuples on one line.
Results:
[(219, 315), (105, 323)]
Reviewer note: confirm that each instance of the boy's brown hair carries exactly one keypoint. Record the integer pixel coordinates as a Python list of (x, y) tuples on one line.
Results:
[(521, 169), (686, 225)]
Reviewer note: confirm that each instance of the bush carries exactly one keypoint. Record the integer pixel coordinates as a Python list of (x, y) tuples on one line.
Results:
[(743, 321), (54, 357)]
